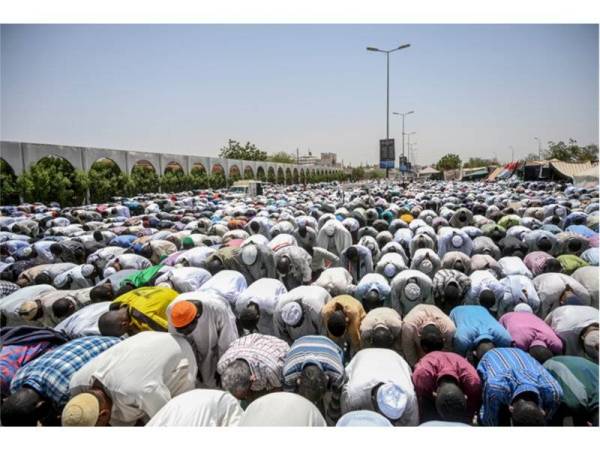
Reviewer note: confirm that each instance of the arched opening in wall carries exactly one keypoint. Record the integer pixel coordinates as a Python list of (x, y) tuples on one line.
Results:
[(217, 177), (234, 173), (174, 179), (271, 178), (260, 174), (248, 173), (54, 179), (198, 169), (105, 180), (288, 176), (143, 178), (217, 169), (280, 176), (296, 177), (9, 193), (199, 178), (302, 176), (175, 168)]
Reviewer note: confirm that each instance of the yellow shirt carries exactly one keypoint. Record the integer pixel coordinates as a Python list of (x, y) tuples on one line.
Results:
[(147, 307), (354, 311)]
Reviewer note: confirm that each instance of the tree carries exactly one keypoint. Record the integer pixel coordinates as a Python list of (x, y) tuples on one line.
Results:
[(248, 152), (53, 179), (9, 193), (282, 157), (107, 181), (480, 162), (449, 161), (571, 152), (358, 173), (144, 179)]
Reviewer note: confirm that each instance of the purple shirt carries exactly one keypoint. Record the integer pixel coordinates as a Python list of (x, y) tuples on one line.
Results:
[(13, 357), (528, 330)]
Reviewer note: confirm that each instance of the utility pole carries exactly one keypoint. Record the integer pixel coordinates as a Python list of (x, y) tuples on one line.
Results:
[(387, 103)]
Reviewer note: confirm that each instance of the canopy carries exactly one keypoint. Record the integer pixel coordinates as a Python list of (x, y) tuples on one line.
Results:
[(587, 178), (569, 170), (428, 171)]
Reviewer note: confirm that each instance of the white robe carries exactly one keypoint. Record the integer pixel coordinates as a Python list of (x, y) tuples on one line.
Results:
[(199, 408), (282, 409), (140, 374)]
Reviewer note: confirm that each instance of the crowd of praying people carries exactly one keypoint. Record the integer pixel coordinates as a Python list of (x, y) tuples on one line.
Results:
[(376, 303)]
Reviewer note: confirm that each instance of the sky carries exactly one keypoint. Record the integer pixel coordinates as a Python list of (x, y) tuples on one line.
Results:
[(476, 90)]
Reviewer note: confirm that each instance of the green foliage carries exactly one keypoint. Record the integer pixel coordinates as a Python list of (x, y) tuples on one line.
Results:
[(144, 179), (217, 181), (271, 177), (107, 181), (174, 181), (449, 161), (480, 162), (358, 173), (248, 152), (282, 157), (9, 193), (571, 152), (53, 179)]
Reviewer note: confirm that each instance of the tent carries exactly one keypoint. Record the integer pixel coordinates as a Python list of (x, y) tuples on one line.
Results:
[(587, 178), (475, 173), (428, 172)]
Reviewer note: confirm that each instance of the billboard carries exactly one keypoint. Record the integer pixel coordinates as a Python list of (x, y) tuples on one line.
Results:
[(387, 154)]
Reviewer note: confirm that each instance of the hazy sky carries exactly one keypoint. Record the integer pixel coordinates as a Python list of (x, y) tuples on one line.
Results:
[(476, 89)]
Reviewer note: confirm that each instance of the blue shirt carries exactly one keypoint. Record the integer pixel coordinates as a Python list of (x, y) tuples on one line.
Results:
[(508, 372), (50, 374), (124, 241), (474, 323)]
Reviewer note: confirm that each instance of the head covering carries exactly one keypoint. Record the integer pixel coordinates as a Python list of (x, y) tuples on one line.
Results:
[(291, 314), (523, 307), (391, 400), (406, 218), (82, 410), (183, 313), (389, 270), (457, 240), (28, 310), (412, 291)]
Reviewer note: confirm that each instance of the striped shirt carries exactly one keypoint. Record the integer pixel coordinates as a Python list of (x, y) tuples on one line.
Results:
[(50, 374), (509, 372), (318, 350), (265, 356)]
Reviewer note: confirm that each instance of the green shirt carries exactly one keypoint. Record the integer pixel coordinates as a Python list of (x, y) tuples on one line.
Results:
[(578, 378), (142, 277)]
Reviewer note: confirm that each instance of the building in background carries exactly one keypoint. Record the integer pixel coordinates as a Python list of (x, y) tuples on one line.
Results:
[(326, 159)]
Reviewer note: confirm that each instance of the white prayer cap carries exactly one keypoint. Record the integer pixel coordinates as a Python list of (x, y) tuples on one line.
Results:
[(391, 400), (291, 313)]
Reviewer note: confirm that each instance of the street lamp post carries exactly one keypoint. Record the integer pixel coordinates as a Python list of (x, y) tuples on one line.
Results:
[(387, 105), (539, 147), (404, 114)]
